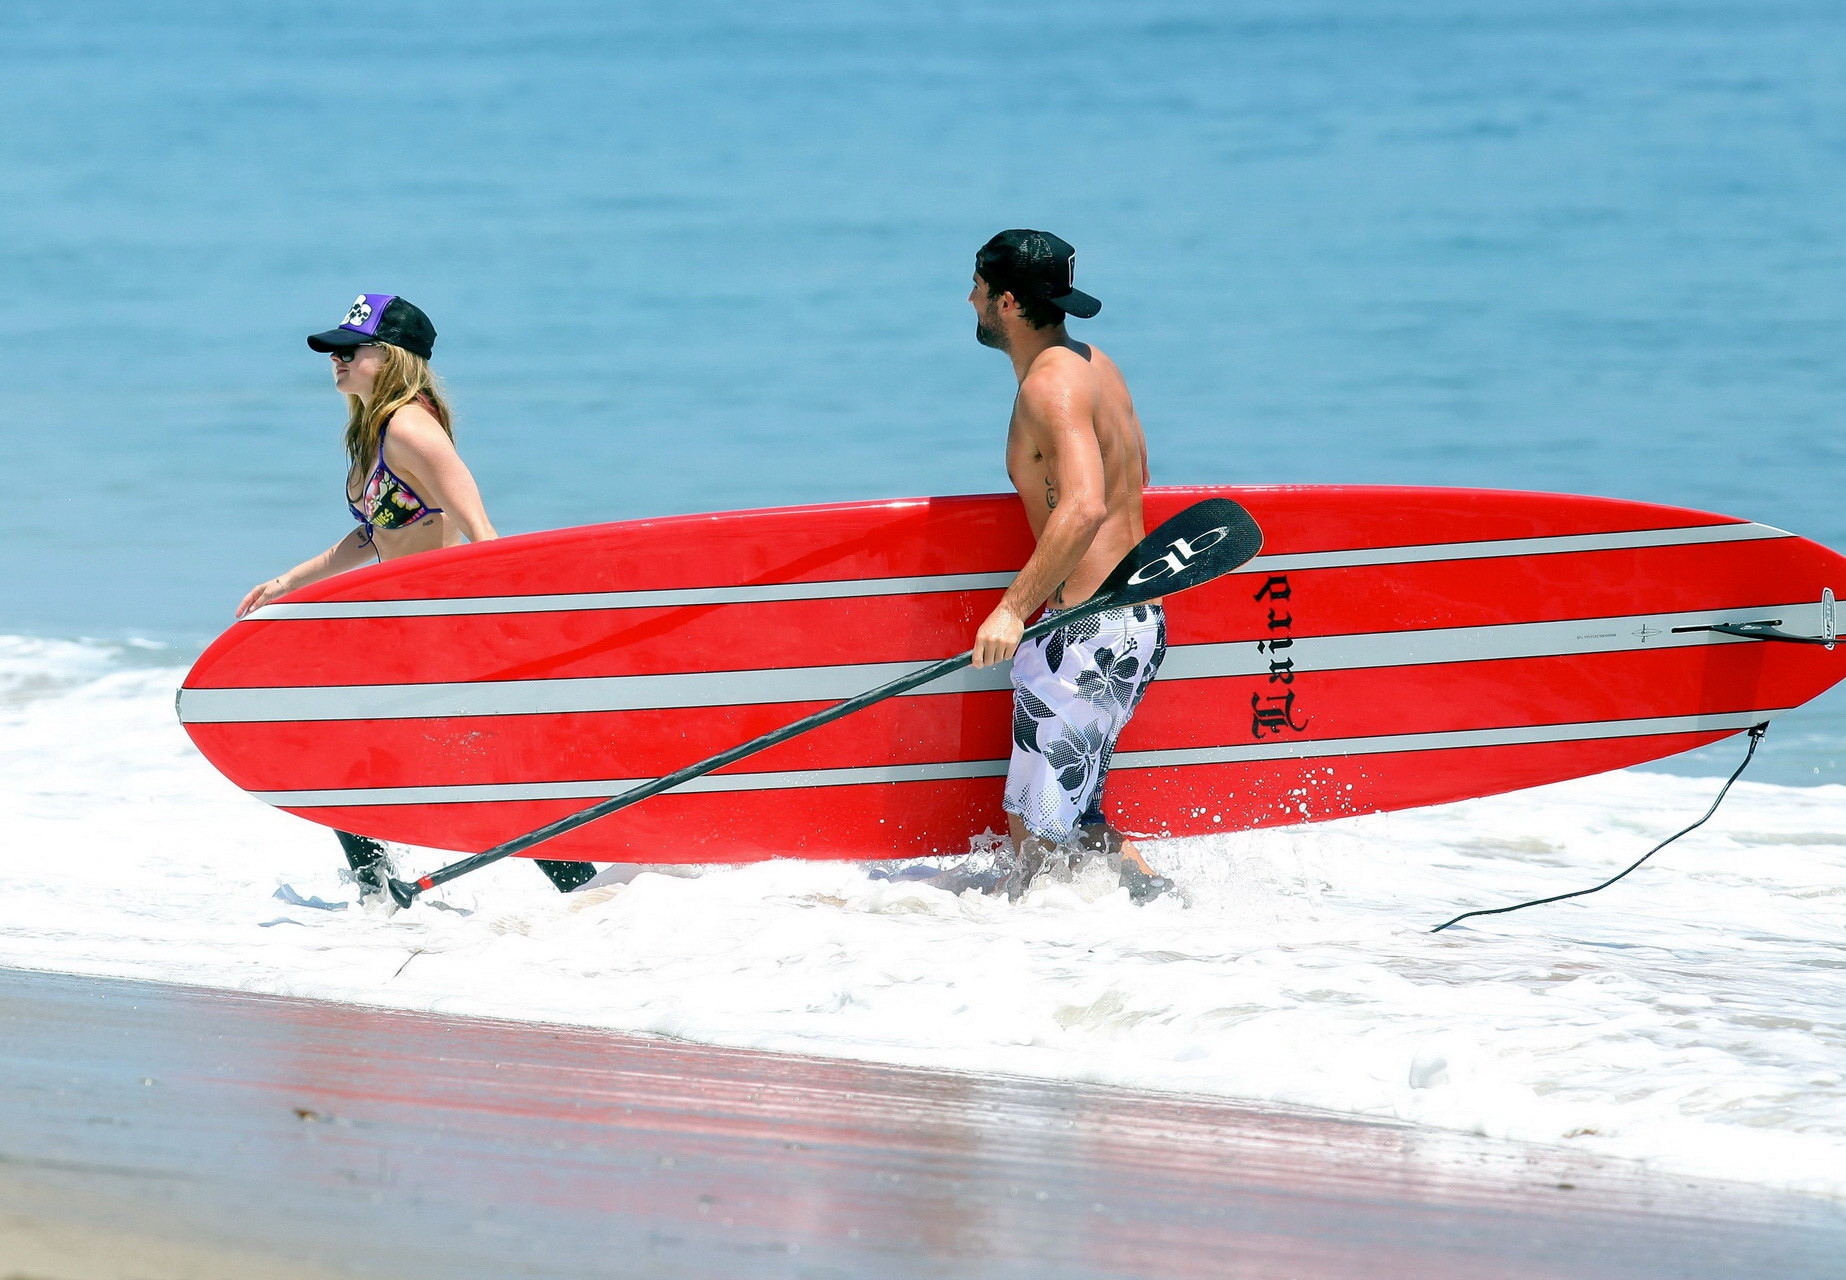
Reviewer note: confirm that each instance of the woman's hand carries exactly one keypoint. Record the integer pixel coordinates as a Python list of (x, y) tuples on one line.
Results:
[(261, 594), (348, 553)]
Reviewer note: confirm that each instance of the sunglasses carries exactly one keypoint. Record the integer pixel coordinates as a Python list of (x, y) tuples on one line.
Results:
[(345, 355)]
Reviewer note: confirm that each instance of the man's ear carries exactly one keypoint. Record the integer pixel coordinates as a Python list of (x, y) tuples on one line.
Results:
[(1007, 302)]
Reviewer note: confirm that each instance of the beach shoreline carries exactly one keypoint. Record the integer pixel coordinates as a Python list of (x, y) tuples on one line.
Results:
[(209, 1128)]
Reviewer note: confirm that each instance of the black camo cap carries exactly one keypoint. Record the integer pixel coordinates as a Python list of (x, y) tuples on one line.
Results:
[(1035, 264), (381, 317)]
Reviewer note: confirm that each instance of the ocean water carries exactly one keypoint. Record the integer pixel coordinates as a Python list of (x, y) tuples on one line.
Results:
[(709, 256)]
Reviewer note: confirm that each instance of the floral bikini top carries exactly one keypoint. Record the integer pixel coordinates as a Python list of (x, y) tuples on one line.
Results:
[(386, 501)]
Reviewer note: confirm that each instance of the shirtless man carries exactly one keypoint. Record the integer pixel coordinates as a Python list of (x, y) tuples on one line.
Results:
[(1076, 455)]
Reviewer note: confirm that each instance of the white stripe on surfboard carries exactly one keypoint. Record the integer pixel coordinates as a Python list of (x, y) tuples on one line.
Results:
[(571, 695), (1310, 749), (1551, 545), (761, 593)]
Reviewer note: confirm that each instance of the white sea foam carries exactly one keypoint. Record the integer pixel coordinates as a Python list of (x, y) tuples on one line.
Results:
[(1692, 1016)]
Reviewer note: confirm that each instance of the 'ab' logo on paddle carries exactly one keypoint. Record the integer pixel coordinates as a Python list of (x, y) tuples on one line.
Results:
[(1179, 557)]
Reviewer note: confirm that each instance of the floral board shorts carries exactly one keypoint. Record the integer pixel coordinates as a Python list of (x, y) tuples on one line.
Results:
[(1073, 691)]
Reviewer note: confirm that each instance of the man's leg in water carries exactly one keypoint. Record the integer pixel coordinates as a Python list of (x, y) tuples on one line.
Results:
[(366, 857), (1102, 840), (1026, 855), (1073, 692)]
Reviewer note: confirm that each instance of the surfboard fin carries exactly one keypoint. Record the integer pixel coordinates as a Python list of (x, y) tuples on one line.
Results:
[(1769, 628)]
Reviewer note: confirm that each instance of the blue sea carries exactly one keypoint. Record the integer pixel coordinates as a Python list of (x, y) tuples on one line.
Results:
[(714, 255)]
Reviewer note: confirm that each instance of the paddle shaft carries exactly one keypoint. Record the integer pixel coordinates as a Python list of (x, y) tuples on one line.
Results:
[(890, 689)]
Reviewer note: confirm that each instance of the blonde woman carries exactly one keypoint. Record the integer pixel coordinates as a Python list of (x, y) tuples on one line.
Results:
[(407, 488)]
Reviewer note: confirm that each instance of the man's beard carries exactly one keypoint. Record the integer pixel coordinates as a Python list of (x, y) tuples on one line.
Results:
[(987, 331)]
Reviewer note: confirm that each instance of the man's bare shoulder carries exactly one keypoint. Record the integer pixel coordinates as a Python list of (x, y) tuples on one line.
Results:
[(1094, 363), (1059, 383)]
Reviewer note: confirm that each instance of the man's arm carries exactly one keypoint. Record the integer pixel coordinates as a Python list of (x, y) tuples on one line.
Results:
[(1055, 415)]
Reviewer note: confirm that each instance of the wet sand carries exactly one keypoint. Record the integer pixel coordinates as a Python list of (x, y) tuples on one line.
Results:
[(160, 1132)]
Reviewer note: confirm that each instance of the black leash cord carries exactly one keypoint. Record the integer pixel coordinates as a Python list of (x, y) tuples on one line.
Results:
[(1756, 736)]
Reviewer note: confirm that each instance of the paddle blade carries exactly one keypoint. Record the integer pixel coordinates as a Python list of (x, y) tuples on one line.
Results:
[(1205, 541)]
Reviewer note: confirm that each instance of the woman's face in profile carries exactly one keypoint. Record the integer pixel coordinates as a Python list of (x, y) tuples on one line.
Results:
[(354, 377)]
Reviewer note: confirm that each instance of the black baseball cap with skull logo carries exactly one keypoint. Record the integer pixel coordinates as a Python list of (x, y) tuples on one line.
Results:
[(380, 317), (1035, 264)]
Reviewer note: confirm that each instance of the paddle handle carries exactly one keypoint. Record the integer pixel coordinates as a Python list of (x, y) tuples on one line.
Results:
[(903, 684)]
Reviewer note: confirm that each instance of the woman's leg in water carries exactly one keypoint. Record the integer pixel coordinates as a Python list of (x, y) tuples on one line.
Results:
[(367, 859)]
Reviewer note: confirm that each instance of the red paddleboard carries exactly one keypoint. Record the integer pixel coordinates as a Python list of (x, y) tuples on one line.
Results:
[(1391, 647)]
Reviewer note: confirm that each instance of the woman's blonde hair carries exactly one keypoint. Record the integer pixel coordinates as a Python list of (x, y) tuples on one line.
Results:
[(404, 378)]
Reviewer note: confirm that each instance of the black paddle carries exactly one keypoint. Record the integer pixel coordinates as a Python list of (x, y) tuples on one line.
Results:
[(1205, 541)]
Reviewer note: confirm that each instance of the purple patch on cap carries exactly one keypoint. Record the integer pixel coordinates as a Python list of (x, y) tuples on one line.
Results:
[(367, 310)]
